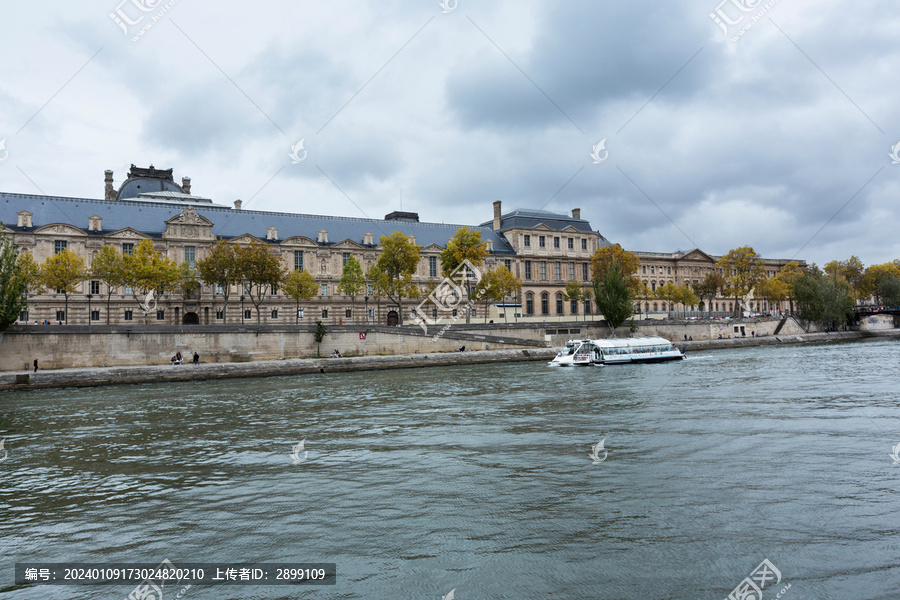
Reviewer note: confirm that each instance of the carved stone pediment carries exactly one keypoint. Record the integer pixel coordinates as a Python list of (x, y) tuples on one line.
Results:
[(188, 224), (298, 240), (129, 233), (60, 229)]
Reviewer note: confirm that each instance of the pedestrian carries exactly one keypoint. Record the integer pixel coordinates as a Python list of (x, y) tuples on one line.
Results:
[(35, 365), (196, 358), (685, 337)]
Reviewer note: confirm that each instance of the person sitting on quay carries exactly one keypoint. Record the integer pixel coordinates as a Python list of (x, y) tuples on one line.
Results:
[(336, 354), (177, 359)]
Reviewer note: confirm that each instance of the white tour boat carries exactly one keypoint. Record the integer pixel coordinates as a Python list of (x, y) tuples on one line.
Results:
[(615, 351)]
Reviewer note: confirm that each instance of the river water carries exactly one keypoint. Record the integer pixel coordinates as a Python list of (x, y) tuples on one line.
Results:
[(477, 478)]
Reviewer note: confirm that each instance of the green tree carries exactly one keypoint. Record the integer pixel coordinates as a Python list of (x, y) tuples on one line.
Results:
[(508, 284), (13, 283), (465, 245), (149, 275), (823, 299), (709, 288), (888, 291), (489, 290), (63, 272), (108, 267), (613, 295), (300, 285), (574, 291), (220, 269), (743, 268), (629, 262), (392, 273), (686, 297), (852, 271), (772, 290), (874, 275), (260, 270), (374, 290), (787, 275), (353, 281), (319, 335)]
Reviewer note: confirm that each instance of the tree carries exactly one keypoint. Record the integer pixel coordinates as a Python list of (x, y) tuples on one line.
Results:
[(465, 245), (709, 288), (220, 269), (319, 335), (613, 295), (575, 292), (508, 284), (260, 270), (13, 283), (300, 285), (874, 275), (772, 290), (823, 299), (149, 275), (63, 272), (787, 275), (888, 291), (852, 271), (392, 273), (743, 269), (629, 262), (352, 281), (686, 296), (373, 274), (108, 267)]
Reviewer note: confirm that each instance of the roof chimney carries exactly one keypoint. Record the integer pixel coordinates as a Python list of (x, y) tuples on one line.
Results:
[(186, 185), (237, 205), (497, 215), (109, 193), (576, 213)]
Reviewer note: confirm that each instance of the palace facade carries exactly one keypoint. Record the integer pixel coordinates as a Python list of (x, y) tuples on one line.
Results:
[(545, 250)]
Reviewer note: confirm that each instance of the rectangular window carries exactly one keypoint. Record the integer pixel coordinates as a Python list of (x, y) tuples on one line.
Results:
[(220, 315), (543, 271), (95, 315), (129, 316), (323, 289), (190, 254), (23, 316), (218, 290), (128, 290), (274, 290), (432, 266), (346, 257), (248, 314), (542, 241), (571, 243), (644, 269), (127, 249), (573, 307), (587, 306), (370, 290), (584, 244), (95, 287), (584, 272), (60, 315), (372, 313), (160, 315), (59, 246), (274, 313), (558, 271), (556, 242), (348, 313), (528, 241), (298, 260), (527, 269), (324, 313), (571, 271), (246, 289), (508, 264)]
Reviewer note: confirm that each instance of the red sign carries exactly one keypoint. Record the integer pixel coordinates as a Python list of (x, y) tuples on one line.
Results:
[(362, 336)]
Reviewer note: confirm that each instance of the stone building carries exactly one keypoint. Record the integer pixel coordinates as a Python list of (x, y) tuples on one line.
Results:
[(545, 250)]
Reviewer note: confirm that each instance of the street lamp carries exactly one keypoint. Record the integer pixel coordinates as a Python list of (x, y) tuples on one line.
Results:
[(367, 309), (242, 310), (89, 296)]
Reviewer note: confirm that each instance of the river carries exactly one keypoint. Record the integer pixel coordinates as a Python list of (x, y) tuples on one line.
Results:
[(478, 479)]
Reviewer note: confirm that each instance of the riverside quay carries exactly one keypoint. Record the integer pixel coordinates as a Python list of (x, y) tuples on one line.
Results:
[(545, 250)]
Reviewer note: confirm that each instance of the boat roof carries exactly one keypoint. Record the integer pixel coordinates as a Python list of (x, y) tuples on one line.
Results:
[(628, 342)]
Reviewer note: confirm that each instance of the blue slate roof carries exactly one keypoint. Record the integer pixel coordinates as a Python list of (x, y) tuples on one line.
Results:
[(532, 218), (150, 217)]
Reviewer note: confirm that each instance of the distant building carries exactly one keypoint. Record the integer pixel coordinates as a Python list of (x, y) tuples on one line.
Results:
[(545, 250)]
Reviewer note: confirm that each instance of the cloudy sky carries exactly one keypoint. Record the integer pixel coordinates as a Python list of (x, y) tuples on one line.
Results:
[(776, 134)]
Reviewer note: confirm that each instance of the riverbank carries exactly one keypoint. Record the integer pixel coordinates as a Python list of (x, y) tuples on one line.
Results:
[(97, 376)]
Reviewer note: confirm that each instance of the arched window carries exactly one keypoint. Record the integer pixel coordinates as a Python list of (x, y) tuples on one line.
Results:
[(653, 285), (668, 270), (529, 303), (559, 303), (545, 303)]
